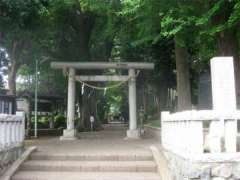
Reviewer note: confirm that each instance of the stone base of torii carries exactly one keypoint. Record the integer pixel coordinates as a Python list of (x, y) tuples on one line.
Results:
[(133, 131)]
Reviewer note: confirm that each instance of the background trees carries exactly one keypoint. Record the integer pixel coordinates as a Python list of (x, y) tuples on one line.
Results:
[(19, 25), (178, 36)]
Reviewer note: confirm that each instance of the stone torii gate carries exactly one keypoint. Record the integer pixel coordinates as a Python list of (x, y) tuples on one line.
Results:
[(70, 132)]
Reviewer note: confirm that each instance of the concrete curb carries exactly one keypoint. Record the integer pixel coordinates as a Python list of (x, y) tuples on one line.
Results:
[(162, 164), (15, 166), (152, 127)]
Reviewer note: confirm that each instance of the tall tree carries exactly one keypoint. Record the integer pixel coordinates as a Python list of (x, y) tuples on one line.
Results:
[(19, 21), (225, 23), (183, 78)]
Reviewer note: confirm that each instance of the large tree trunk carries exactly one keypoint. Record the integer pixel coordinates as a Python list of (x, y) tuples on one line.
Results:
[(81, 123), (12, 69), (162, 97), (84, 34), (183, 81), (12, 79), (83, 23), (86, 108)]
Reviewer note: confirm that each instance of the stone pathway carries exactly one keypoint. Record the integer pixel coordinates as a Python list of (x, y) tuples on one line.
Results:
[(103, 155), (111, 139)]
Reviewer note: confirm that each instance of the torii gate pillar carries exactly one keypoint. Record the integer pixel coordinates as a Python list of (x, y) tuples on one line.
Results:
[(133, 132), (70, 132)]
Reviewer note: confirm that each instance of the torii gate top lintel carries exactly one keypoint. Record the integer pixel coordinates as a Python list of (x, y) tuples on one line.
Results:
[(102, 65)]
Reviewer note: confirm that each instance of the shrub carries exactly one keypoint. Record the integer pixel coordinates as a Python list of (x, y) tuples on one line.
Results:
[(42, 123), (60, 122)]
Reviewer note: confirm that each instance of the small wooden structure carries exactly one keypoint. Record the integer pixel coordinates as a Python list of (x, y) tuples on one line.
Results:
[(47, 104), (7, 104)]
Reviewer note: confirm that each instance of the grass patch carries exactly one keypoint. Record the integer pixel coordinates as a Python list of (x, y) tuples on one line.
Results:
[(154, 123)]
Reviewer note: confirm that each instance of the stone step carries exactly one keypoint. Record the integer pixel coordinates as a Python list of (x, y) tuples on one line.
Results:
[(90, 166), (93, 157), (30, 175)]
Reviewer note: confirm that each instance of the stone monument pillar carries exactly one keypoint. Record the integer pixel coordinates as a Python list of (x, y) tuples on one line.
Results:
[(224, 103)]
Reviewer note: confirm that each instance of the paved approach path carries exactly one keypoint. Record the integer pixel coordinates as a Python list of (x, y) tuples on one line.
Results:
[(103, 155), (110, 140)]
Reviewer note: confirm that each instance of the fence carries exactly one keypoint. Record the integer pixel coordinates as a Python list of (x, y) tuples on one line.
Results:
[(191, 133), (11, 131)]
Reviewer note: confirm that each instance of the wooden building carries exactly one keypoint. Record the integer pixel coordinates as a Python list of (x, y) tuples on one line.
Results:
[(7, 104)]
